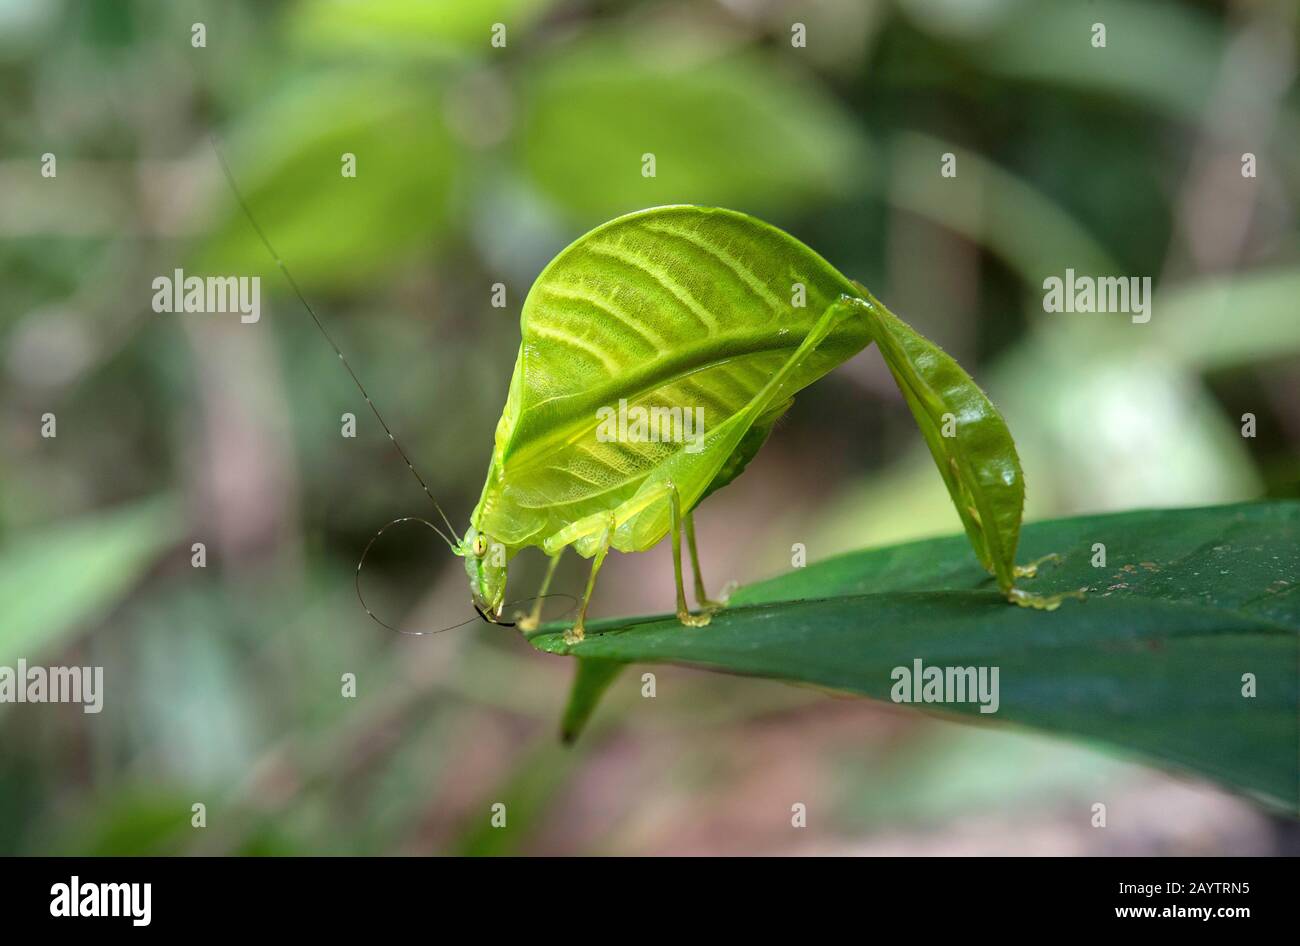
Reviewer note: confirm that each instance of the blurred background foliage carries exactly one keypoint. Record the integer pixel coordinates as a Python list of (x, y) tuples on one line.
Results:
[(474, 166)]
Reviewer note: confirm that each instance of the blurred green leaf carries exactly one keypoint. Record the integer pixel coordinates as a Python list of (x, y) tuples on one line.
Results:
[(1089, 424), (130, 824), (994, 208), (157, 822), (740, 131), (331, 229), (385, 27), (53, 581), (528, 792), (591, 679), (1157, 55), (1153, 661), (945, 773), (1226, 321)]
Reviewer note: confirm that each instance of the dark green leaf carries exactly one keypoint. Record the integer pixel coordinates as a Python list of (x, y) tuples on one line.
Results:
[(1188, 602)]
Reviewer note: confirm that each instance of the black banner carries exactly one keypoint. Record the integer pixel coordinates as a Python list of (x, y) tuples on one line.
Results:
[(210, 895)]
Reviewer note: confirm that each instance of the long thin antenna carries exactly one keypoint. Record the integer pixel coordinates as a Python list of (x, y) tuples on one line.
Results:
[(374, 617), (230, 178), (357, 581)]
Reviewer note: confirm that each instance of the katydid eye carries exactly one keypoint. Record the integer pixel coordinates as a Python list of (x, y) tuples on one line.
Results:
[(480, 545)]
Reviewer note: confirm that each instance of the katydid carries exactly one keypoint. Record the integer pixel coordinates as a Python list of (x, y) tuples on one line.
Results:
[(685, 311)]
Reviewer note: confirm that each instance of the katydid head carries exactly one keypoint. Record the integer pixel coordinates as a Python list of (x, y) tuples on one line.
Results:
[(485, 563)]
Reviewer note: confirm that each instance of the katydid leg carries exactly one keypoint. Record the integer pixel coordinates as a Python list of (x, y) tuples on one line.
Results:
[(575, 634), (534, 617), (701, 596), (683, 612)]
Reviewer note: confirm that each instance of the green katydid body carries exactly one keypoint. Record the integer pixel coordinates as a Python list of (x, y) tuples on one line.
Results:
[(699, 313)]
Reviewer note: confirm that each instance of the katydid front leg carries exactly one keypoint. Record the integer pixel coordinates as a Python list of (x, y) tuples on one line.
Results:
[(576, 633), (534, 617)]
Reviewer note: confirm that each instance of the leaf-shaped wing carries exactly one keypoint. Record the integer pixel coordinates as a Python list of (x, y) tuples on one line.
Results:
[(685, 308)]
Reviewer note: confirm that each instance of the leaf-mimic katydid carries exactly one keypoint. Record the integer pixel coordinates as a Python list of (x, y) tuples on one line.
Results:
[(677, 313), (700, 324)]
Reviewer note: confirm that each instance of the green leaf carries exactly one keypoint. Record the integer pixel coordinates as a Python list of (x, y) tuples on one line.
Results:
[(430, 30), (332, 230), (998, 209), (589, 685), (1152, 661), (155, 821), (1053, 44), (1226, 321), (53, 581), (740, 131)]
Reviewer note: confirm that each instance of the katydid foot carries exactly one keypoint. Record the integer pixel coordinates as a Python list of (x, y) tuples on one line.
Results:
[(1039, 602), (723, 600), (1030, 570), (695, 620)]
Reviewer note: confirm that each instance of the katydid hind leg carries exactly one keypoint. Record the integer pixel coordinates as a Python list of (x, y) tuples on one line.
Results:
[(981, 470), (702, 598), (683, 612)]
